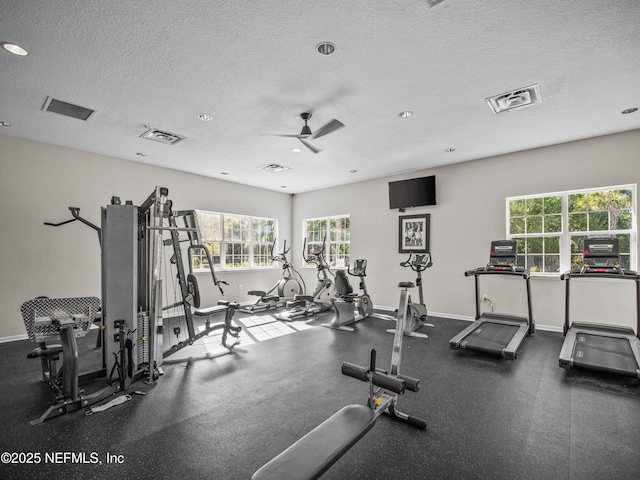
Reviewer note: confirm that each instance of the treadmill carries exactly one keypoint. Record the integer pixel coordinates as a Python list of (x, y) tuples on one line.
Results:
[(604, 348), (495, 333)]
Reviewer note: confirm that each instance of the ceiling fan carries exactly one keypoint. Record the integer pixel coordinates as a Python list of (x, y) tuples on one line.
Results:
[(307, 137)]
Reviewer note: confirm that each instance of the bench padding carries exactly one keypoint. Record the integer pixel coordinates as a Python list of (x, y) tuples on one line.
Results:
[(314, 453)]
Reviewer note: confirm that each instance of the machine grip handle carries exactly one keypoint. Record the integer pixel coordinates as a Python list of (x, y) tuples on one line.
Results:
[(416, 422), (355, 371), (389, 382), (412, 384)]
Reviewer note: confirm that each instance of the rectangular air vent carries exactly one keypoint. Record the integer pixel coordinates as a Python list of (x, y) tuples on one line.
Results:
[(67, 109), (275, 168), (522, 97), (162, 136)]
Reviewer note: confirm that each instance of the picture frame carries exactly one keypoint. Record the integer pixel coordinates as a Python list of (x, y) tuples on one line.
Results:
[(413, 233)]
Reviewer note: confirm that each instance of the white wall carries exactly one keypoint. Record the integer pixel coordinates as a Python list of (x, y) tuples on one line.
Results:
[(39, 182), (469, 214)]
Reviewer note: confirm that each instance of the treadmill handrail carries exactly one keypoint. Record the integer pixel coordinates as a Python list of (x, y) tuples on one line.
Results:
[(615, 274), (524, 273), (618, 275)]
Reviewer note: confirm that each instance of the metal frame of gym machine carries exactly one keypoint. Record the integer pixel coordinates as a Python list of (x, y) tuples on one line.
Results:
[(131, 239), (475, 336), (604, 348)]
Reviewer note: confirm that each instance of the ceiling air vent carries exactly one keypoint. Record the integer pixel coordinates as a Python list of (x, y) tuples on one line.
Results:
[(275, 168), (67, 109), (522, 97), (162, 136)]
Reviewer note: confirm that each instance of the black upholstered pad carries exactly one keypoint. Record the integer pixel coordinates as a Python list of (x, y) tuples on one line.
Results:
[(314, 453)]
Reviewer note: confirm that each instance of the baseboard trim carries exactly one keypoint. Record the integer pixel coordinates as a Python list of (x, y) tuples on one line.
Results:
[(14, 338), (467, 318)]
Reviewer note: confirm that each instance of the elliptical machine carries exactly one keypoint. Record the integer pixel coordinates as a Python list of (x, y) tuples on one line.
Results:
[(417, 313), (306, 305), (285, 289), (345, 302)]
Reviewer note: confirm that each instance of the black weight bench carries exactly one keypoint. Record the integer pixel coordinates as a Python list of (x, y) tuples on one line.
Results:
[(313, 454)]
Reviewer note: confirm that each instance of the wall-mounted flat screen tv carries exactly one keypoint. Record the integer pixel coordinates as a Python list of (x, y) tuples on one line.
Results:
[(414, 192)]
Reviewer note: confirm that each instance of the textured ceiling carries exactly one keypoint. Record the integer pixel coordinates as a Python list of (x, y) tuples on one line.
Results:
[(253, 66)]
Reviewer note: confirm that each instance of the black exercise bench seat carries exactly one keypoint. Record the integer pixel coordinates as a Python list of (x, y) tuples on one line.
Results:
[(313, 454)]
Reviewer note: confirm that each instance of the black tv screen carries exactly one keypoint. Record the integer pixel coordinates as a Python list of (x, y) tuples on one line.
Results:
[(414, 192)]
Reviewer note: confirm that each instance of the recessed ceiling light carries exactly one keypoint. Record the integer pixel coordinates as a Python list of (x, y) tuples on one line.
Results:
[(283, 186), (629, 110), (205, 117), (405, 114), (15, 49), (5, 124), (449, 150), (325, 48), (296, 150)]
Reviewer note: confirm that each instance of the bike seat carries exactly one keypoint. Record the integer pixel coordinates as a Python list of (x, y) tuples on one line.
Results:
[(406, 285)]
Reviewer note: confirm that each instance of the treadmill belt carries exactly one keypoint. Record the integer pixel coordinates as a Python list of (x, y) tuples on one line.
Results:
[(608, 354), (490, 337)]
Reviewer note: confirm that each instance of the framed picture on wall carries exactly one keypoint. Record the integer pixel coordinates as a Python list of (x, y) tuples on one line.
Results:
[(413, 233)]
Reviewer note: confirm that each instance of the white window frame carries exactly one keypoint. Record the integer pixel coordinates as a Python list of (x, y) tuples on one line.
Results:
[(339, 261), (252, 241), (565, 235)]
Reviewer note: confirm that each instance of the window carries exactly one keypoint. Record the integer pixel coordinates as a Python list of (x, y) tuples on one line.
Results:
[(337, 232), (551, 228), (235, 241)]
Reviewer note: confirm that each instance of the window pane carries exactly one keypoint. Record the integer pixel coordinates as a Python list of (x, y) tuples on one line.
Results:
[(578, 222), (534, 224), (533, 206), (553, 223), (552, 205), (516, 208), (517, 225), (210, 225), (621, 198), (577, 202), (543, 227), (620, 220), (535, 263), (576, 260), (552, 245), (534, 245), (625, 261), (552, 263), (625, 242), (598, 221), (237, 255), (598, 201)]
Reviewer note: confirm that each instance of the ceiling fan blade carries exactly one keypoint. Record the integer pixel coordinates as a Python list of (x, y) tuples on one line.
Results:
[(310, 145), (328, 128)]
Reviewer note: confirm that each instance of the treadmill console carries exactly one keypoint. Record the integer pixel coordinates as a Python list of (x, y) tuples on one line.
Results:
[(503, 254), (601, 253)]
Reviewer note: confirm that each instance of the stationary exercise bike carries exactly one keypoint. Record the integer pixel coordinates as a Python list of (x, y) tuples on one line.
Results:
[(285, 289), (306, 305), (345, 302), (417, 313)]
